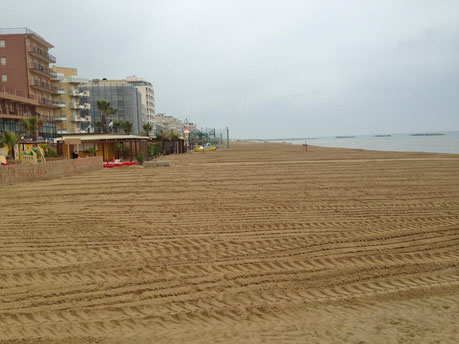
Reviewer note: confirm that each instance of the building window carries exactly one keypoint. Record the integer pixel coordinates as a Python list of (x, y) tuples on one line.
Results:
[(4, 78), (2, 43), (3, 61)]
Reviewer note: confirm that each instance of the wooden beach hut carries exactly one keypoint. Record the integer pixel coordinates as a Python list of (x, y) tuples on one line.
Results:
[(103, 144)]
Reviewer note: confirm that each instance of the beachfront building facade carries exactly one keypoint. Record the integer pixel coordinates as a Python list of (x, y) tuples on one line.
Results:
[(26, 88), (73, 109), (167, 124), (122, 95), (147, 93), (191, 127)]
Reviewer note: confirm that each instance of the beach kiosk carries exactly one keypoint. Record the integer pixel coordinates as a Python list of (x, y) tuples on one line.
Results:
[(71, 145)]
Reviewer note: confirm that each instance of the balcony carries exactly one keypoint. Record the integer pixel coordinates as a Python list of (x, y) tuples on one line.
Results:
[(58, 77), (42, 54), (76, 93), (62, 131), (78, 119), (76, 106), (17, 96), (60, 118), (47, 102), (42, 86), (76, 80), (59, 91), (42, 70), (51, 103)]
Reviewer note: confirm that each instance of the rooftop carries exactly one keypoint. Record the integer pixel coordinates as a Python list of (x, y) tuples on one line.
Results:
[(134, 79), (24, 31), (100, 137)]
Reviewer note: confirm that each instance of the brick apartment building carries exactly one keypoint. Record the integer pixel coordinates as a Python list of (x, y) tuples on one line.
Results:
[(25, 81)]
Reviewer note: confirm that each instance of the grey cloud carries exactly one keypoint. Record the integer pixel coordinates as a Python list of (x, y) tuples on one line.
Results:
[(269, 68)]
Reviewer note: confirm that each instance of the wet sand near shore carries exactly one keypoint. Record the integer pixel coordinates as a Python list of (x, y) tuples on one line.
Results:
[(261, 243)]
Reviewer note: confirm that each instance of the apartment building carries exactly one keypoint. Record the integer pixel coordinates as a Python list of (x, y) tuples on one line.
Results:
[(167, 124), (26, 88), (148, 97), (123, 96), (191, 127), (72, 115)]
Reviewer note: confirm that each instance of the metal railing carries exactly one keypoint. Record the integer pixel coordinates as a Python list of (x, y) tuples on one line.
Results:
[(42, 53), (48, 102), (39, 68), (18, 93), (76, 106), (24, 114), (18, 30), (46, 86), (76, 79), (76, 93)]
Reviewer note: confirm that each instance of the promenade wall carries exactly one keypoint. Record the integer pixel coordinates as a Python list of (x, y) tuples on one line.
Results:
[(47, 170)]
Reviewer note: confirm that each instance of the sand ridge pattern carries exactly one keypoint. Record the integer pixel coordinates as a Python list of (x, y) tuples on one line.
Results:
[(258, 243)]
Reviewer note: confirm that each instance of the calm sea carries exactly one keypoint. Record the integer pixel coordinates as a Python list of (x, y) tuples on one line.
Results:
[(447, 143)]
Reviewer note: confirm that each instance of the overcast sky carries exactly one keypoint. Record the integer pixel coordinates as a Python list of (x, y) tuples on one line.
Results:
[(268, 68)]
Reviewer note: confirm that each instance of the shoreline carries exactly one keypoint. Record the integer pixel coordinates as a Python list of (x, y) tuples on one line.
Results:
[(410, 153), (353, 148), (401, 142)]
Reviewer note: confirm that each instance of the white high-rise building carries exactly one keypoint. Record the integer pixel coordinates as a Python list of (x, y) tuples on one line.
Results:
[(148, 97)]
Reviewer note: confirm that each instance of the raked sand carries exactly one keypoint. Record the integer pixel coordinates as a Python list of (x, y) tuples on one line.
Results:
[(262, 243)]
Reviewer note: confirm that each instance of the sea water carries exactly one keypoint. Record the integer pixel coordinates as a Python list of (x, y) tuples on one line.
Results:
[(447, 143)]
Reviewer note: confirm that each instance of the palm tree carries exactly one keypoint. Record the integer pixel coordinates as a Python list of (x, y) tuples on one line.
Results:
[(9, 139), (147, 127), (121, 148), (173, 136), (127, 126), (32, 126), (161, 136), (116, 125), (98, 125), (105, 107)]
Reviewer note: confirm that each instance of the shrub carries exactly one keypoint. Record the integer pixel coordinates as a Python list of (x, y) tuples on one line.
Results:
[(50, 152), (155, 149), (140, 158), (161, 136), (173, 136), (89, 150)]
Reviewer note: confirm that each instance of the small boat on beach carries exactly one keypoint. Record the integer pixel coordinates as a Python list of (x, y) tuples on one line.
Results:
[(207, 147)]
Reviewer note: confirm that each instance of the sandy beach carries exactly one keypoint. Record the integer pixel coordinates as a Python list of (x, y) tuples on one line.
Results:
[(261, 243)]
